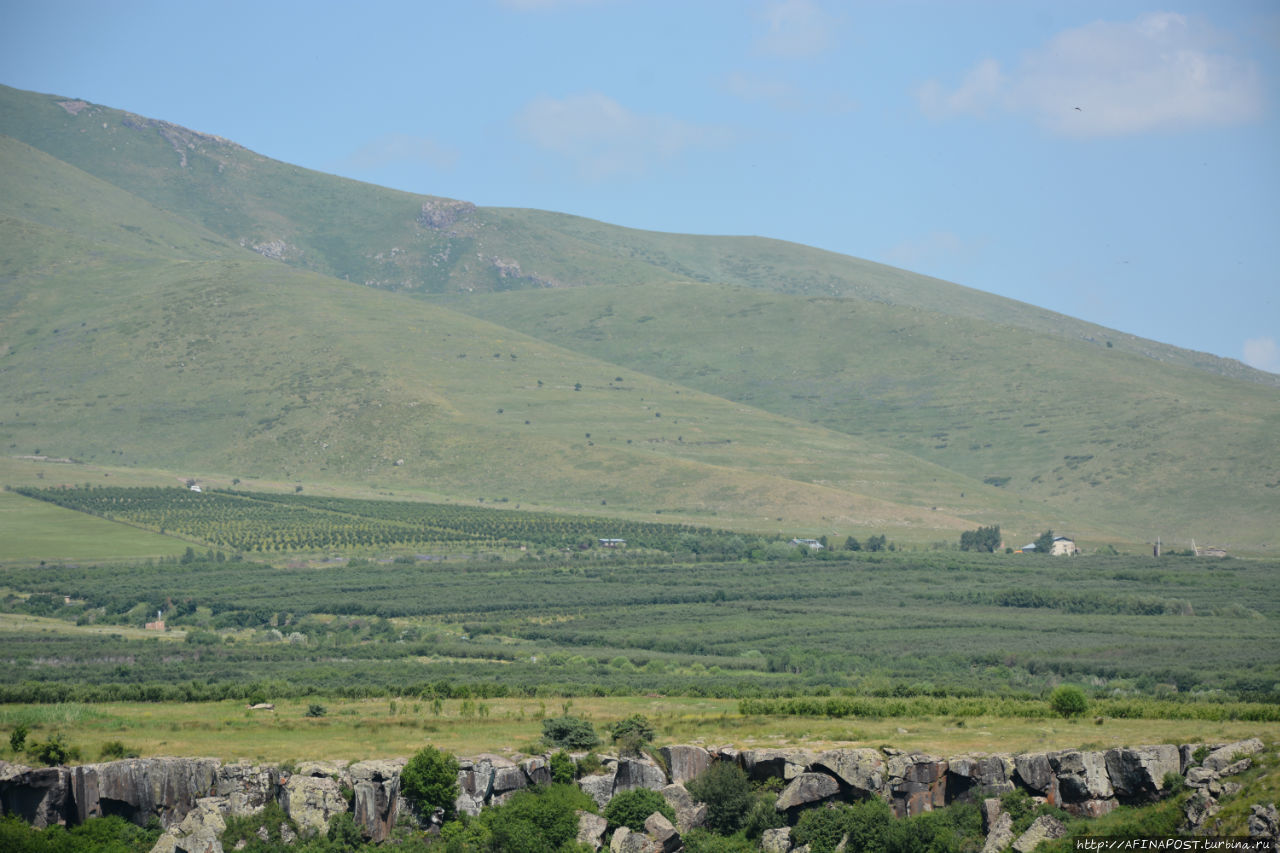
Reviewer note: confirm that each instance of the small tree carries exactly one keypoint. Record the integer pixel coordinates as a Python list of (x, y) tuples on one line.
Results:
[(632, 733), (18, 738), (632, 808), (1044, 543), (851, 544), (430, 781), (1068, 700), (562, 767), (985, 539), (569, 733), (726, 790)]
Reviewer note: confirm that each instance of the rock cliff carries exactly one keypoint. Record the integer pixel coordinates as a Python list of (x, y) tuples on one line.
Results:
[(191, 797)]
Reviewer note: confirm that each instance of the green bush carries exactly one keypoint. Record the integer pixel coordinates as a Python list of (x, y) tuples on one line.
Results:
[(563, 769), (726, 790), (54, 751), (632, 734), (632, 808), (430, 781), (1068, 700), (704, 841), (821, 829), (315, 709), (569, 733), (18, 738)]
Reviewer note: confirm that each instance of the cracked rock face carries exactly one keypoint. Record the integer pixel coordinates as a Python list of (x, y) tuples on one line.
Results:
[(310, 801)]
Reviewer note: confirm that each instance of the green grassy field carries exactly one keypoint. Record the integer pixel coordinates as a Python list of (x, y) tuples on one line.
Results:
[(360, 729), (35, 530)]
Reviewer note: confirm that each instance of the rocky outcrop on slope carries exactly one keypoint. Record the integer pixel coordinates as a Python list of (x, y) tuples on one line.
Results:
[(192, 797)]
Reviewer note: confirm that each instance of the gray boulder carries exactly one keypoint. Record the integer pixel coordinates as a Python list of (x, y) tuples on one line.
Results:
[(626, 841), (1035, 773), (633, 773), (598, 787), (970, 777), (776, 840), (200, 831), (1226, 755), (1137, 773), (1042, 829), (1264, 822), (657, 827), (689, 814), (591, 829), (861, 770), (40, 796), (247, 787), (311, 801), (1200, 806), (785, 764), (376, 787), (140, 788), (685, 762), (917, 783), (1000, 834), (537, 770), (1081, 775), (807, 789)]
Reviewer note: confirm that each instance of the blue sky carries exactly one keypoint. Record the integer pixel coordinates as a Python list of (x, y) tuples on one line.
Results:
[(1116, 161)]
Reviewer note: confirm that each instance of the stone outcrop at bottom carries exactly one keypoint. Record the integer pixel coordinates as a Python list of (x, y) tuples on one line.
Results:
[(192, 797)]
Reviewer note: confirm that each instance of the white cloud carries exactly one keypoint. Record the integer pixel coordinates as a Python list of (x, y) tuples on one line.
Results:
[(784, 96), (604, 138), (1161, 71), (1262, 353), (394, 148), (795, 28)]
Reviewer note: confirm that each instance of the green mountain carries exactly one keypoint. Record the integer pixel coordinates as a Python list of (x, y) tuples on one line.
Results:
[(170, 300)]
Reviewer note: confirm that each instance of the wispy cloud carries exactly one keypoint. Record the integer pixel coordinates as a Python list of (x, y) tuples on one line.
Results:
[(1161, 71), (395, 148), (784, 96), (603, 138), (795, 28), (1262, 353)]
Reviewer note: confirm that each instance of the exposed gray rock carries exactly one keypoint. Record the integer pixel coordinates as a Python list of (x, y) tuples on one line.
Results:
[(785, 764), (626, 841), (1226, 755), (636, 773), (917, 783), (591, 829), (310, 801), (506, 781), (1042, 829), (685, 762), (1264, 822), (439, 213), (200, 831), (689, 814), (1137, 773), (140, 788), (247, 787), (41, 796), (475, 782), (776, 840), (598, 787), (1198, 777), (537, 770), (861, 770), (1236, 767), (1200, 806), (1035, 772), (807, 789), (376, 786), (991, 809), (972, 776), (1000, 834), (1081, 775), (657, 827)]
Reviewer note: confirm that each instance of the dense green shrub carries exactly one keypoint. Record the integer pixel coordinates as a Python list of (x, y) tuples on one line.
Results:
[(704, 841), (1068, 700), (632, 733), (820, 828), (430, 781), (18, 738), (562, 767), (569, 733), (726, 790), (54, 751), (632, 808)]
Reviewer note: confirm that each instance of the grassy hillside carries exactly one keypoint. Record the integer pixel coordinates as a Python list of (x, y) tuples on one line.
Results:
[(127, 346), (1112, 438), (169, 299)]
